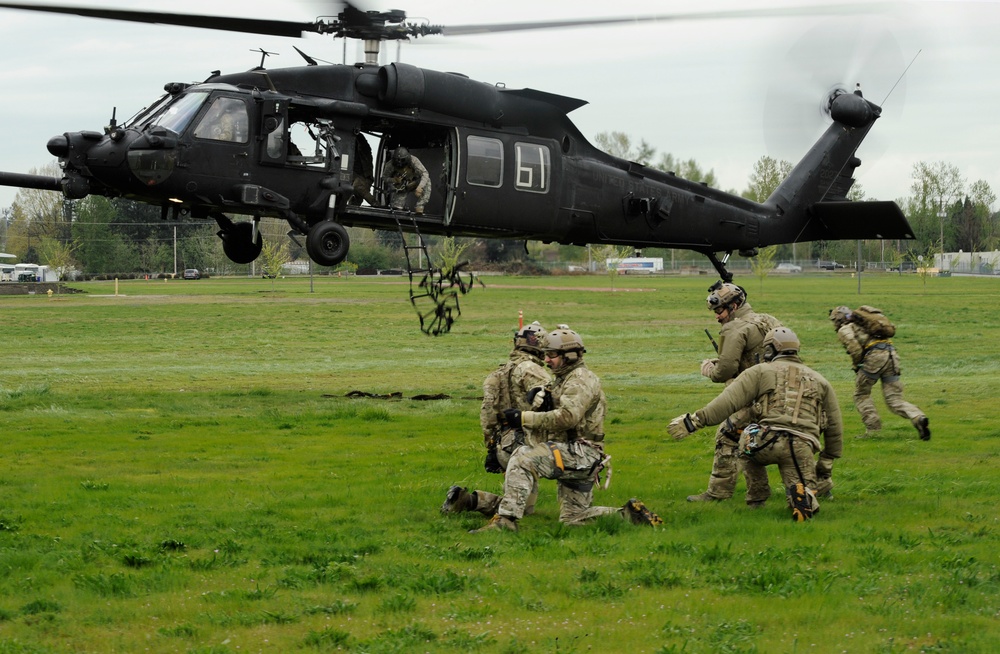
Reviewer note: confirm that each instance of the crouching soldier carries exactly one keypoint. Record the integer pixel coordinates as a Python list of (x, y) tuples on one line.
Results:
[(520, 383), (574, 454), (796, 414)]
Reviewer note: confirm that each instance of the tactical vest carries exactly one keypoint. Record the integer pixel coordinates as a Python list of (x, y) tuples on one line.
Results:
[(797, 400), (497, 384)]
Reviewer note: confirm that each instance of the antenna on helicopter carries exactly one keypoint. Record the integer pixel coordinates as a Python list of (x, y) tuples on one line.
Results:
[(264, 55), (309, 60)]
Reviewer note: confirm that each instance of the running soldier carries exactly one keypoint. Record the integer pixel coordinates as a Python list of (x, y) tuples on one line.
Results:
[(574, 456), (741, 342), (874, 359), (792, 407), (519, 382)]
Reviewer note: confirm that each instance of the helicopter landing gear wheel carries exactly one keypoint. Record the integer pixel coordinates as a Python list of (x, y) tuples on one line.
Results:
[(327, 243), (239, 244)]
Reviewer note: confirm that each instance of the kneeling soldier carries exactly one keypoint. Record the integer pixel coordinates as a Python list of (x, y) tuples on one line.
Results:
[(793, 407)]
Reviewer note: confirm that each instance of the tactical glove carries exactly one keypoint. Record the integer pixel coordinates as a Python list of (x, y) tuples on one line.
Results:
[(540, 399), (683, 425), (707, 367), (824, 467), (492, 463), (512, 418)]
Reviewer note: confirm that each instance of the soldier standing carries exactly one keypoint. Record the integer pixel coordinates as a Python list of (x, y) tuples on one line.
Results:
[(519, 382), (793, 407), (875, 359), (404, 176), (741, 342), (574, 454)]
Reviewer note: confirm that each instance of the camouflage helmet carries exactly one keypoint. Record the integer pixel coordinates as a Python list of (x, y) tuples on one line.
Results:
[(401, 156), (530, 338), (780, 340), (563, 339), (840, 316), (724, 295)]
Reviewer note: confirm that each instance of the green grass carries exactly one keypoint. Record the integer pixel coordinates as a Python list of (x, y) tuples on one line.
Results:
[(182, 472)]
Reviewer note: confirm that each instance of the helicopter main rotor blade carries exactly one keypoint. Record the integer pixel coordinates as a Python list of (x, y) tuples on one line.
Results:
[(246, 25), (776, 12)]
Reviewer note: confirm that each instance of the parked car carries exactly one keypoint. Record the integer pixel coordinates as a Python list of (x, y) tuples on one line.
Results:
[(829, 265), (788, 268), (905, 266), (192, 273)]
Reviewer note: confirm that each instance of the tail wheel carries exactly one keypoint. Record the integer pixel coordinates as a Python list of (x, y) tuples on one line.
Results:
[(328, 243), (238, 243)]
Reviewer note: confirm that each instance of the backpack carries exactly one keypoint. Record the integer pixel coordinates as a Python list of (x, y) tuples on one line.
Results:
[(873, 321), (764, 323)]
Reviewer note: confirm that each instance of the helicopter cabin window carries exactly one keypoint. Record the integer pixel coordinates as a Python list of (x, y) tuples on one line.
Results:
[(278, 144), (532, 163), (225, 120), (485, 161), (177, 116)]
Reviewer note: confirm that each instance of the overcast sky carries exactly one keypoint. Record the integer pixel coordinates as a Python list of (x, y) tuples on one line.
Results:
[(724, 91)]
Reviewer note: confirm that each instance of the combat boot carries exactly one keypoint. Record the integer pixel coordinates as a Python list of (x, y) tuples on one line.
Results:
[(756, 504), (459, 499), (922, 428), (638, 514), (803, 505), (703, 497), (497, 523)]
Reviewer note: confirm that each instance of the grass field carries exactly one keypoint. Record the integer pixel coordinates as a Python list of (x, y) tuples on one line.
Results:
[(182, 472)]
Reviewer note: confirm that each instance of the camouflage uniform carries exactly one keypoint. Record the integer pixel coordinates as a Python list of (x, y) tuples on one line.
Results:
[(572, 456), (507, 387), (401, 180), (797, 405), (740, 347), (875, 359)]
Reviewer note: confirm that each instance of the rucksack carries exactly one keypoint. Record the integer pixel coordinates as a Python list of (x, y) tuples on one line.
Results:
[(873, 321), (764, 323)]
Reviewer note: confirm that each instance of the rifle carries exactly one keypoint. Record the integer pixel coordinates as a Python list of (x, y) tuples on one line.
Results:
[(714, 344)]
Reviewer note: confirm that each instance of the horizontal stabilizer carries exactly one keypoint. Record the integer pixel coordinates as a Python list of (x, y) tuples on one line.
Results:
[(832, 221)]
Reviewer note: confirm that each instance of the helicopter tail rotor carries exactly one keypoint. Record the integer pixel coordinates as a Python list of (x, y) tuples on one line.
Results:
[(836, 57)]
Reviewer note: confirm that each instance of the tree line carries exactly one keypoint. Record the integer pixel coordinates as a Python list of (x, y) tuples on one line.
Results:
[(98, 236)]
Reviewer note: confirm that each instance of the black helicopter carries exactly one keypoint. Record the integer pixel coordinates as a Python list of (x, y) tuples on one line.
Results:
[(504, 163)]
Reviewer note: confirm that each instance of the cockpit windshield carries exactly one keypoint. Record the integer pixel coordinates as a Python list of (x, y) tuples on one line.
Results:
[(178, 114), (145, 114)]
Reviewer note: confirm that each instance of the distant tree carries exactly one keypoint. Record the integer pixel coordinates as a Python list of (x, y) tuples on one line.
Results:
[(762, 264), (619, 144), (56, 255), (154, 256), (767, 174), (937, 189), (273, 256), (689, 170), (37, 214), (609, 253), (101, 249)]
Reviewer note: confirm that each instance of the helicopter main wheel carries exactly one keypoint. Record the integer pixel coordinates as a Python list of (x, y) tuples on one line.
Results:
[(328, 243), (238, 243)]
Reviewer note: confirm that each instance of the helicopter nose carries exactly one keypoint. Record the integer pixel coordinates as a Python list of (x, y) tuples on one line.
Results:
[(58, 146)]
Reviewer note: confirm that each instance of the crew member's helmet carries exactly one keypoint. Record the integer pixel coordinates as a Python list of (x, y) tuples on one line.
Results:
[(563, 340), (780, 340), (726, 295), (840, 316), (401, 156), (530, 338)]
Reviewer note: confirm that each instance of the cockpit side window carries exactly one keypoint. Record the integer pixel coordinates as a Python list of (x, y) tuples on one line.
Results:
[(177, 116), (225, 120)]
